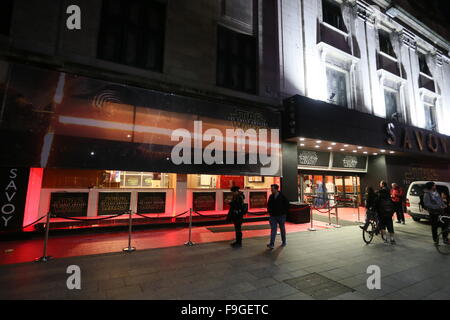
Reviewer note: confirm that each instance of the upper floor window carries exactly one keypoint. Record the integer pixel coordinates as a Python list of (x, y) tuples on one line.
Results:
[(391, 100), (385, 43), (337, 86), (6, 8), (332, 14), (423, 67), (430, 117), (236, 60), (132, 33)]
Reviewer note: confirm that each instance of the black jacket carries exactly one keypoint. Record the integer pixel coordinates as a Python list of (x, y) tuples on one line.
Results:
[(236, 207), (278, 206), (385, 206), (371, 201)]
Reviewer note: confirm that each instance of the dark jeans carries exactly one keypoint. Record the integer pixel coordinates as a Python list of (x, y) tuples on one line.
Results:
[(274, 222), (238, 228), (398, 209), (435, 224), (386, 223)]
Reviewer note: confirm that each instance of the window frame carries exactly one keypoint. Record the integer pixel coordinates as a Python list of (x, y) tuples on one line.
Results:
[(347, 84), (141, 29), (226, 56)]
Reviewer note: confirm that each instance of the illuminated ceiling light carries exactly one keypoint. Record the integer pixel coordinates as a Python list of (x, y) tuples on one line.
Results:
[(333, 143), (365, 152), (301, 139), (375, 154), (346, 145), (354, 150), (383, 150), (359, 147), (319, 141), (128, 135), (342, 149), (302, 144), (391, 152), (317, 146), (329, 148), (92, 153)]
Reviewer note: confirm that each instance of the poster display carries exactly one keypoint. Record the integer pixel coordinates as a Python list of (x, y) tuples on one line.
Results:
[(151, 202), (111, 203), (204, 201), (258, 200), (69, 204)]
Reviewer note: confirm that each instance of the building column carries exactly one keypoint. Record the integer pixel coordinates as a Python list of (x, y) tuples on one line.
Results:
[(289, 185)]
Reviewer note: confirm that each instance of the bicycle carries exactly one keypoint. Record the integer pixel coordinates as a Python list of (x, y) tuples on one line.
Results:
[(373, 229), (441, 246)]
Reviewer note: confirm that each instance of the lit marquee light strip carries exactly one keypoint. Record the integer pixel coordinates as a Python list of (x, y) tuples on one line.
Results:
[(142, 129)]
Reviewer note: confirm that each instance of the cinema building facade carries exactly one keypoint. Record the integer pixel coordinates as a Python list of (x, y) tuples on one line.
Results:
[(366, 90), (87, 116)]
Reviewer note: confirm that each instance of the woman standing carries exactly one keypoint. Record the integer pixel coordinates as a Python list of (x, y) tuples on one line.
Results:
[(236, 214), (370, 204)]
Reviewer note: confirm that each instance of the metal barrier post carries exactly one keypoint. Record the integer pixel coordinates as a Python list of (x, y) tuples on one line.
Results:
[(190, 243), (337, 219), (129, 248), (44, 257), (311, 218), (329, 213)]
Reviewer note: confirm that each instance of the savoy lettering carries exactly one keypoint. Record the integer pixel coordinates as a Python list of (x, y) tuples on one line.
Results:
[(414, 137), (8, 209)]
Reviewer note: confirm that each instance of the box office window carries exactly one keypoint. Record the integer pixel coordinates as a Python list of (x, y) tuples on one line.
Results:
[(236, 60), (332, 15), (6, 8), (337, 88), (132, 33)]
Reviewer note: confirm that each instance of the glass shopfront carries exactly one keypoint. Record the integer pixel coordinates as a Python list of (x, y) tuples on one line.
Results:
[(69, 193), (345, 190)]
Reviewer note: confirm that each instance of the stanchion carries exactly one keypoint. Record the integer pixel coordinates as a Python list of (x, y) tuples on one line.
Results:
[(190, 243), (129, 248), (44, 257), (329, 213), (337, 219), (311, 218)]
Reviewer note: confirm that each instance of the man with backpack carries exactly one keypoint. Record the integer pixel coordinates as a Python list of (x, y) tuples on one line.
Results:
[(385, 208), (436, 207)]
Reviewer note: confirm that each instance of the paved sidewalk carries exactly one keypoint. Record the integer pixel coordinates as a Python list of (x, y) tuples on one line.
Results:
[(326, 264)]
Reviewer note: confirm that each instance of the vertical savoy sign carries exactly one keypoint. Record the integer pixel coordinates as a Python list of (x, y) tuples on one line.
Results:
[(13, 184)]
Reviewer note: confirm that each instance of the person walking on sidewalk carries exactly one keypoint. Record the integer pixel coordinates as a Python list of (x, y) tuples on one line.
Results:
[(397, 195), (436, 207), (278, 207), (385, 209), (236, 214), (370, 204)]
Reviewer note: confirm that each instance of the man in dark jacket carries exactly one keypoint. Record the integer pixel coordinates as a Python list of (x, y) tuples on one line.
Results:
[(278, 207), (436, 207), (385, 209)]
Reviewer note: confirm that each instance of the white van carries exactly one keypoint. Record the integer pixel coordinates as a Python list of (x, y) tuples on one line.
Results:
[(416, 189)]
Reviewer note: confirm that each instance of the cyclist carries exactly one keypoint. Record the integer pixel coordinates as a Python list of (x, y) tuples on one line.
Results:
[(385, 209), (370, 204), (436, 207)]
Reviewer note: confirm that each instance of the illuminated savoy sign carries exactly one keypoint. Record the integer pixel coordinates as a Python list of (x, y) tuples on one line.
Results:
[(410, 138)]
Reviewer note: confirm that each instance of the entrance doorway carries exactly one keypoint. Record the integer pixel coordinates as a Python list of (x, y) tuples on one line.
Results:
[(343, 190)]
